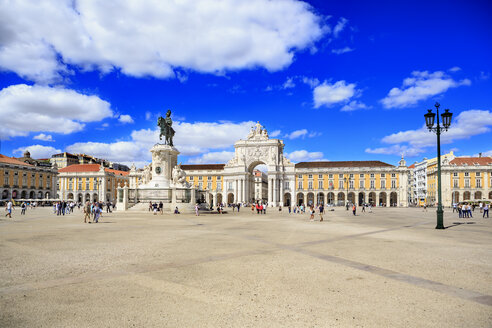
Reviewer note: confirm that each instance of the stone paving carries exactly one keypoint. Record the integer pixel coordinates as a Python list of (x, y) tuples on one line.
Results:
[(389, 268)]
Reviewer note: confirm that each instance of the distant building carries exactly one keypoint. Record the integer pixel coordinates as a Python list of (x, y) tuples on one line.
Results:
[(22, 180), (464, 179), (261, 186), (89, 182), (66, 159), (26, 158)]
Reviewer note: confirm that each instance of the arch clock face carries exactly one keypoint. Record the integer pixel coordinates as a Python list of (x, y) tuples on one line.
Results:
[(158, 170)]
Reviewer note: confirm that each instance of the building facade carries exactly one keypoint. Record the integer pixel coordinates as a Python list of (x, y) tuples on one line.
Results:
[(464, 179), (285, 183), (261, 186), (89, 182), (26, 181)]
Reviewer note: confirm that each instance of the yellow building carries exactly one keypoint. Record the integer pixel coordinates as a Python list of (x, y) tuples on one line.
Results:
[(89, 182), (465, 179), (26, 181)]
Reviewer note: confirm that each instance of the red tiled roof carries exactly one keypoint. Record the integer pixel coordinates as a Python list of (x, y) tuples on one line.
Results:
[(342, 164), (412, 166), (472, 160), (202, 166), (89, 168), (10, 160)]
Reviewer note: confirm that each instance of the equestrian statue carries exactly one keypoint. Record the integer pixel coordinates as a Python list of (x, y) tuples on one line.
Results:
[(166, 128)]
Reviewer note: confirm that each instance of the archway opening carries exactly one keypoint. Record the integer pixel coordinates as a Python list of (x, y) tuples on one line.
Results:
[(23, 194), (456, 197), (32, 195), (466, 195), (341, 199), (230, 198), (257, 179), (287, 199), (300, 199), (5, 194), (382, 199), (219, 199), (478, 195), (331, 198), (362, 198), (320, 199), (351, 198), (310, 199), (372, 198), (393, 199)]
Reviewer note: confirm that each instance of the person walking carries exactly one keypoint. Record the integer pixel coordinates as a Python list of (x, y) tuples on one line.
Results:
[(97, 213), (485, 210), (9, 207), (425, 207), (311, 212), (23, 208), (196, 210), (363, 208), (87, 212), (161, 207), (321, 211), (354, 209)]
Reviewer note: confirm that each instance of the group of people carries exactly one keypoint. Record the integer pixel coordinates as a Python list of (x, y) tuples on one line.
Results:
[(93, 211), (157, 208), (466, 210)]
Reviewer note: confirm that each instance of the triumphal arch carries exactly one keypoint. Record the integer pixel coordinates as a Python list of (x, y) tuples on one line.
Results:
[(258, 149)]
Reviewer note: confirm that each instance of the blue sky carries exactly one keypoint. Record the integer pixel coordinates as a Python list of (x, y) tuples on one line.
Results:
[(344, 80)]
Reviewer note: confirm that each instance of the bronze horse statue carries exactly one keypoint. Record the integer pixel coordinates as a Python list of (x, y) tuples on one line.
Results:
[(166, 128)]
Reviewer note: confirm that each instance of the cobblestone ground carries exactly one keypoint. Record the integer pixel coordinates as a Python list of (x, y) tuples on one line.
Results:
[(389, 268)]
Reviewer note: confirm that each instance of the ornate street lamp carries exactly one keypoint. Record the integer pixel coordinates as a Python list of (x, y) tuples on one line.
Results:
[(446, 122)]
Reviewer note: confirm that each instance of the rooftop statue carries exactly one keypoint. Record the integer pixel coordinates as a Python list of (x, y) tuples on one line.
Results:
[(166, 128)]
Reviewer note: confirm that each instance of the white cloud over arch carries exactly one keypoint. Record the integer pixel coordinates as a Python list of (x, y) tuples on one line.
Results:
[(25, 109), (153, 38), (192, 139)]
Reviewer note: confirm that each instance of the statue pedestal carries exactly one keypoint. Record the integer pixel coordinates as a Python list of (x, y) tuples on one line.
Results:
[(164, 159)]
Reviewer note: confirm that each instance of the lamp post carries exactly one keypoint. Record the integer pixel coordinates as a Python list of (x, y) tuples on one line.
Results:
[(346, 180), (446, 122)]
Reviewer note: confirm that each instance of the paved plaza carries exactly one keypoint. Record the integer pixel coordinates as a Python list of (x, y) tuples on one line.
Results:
[(389, 268)]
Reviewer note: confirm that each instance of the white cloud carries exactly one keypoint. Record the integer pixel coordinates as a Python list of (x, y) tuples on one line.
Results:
[(154, 38), (467, 124), (297, 134), (455, 69), (486, 153), (289, 83), (126, 119), (191, 139), (420, 86), (38, 151), (396, 150), (340, 26), (312, 82), (304, 155), (218, 157), (342, 50), (121, 151), (148, 116), (275, 133), (354, 105), (25, 108), (43, 137), (328, 94)]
